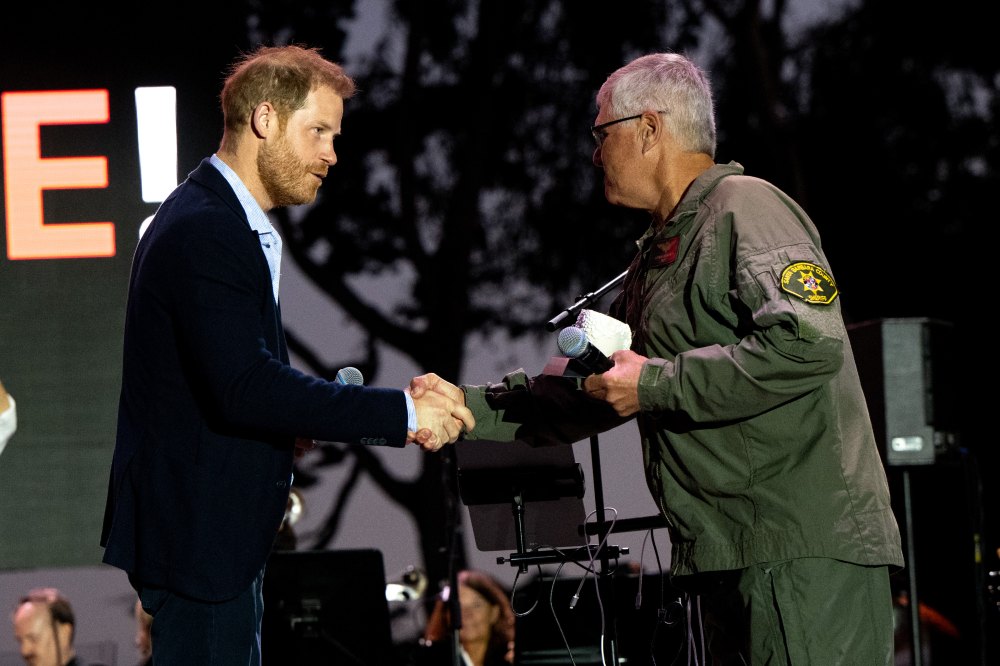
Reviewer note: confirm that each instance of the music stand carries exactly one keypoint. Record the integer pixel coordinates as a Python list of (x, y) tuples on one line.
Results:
[(542, 487), (326, 606), (498, 479)]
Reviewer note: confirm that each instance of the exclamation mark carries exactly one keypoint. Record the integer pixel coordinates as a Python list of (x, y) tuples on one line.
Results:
[(156, 120)]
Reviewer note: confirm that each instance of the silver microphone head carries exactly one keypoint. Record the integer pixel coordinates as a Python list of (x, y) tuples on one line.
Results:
[(350, 375), (572, 341)]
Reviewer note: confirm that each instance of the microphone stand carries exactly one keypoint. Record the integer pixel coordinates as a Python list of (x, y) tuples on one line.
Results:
[(605, 582), (584, 301), (454, 605)]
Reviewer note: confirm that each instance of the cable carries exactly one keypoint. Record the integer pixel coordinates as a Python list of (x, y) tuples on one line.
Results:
[(662, 615), (513, 590), (701, 628), (687, 627), (974, 499), (589, 568), (591, 563), (552, 607), (642, 556)]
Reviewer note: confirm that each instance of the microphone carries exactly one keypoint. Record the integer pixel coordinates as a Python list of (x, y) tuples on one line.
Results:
[(347, 376), (350, 375), (574, 344)]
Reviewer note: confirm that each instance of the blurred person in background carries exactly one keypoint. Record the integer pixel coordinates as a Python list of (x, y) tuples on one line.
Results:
[(143, 635), (44, 627), (487, 633)]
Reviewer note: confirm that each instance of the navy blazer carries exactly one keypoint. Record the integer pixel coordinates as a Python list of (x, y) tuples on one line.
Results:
[(209, 406)]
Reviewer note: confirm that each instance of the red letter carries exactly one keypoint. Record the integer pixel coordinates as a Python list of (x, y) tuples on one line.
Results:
[(27, 174)]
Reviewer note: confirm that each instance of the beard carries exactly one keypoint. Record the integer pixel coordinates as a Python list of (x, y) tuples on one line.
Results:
[(286, 178)]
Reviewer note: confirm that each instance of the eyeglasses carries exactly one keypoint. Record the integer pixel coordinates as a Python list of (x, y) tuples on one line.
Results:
[(599, 133)]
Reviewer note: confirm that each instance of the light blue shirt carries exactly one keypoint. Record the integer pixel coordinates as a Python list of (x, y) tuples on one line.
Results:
[(270, 243)]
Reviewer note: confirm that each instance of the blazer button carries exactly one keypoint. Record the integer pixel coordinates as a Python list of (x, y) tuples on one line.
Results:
[(280, 484), (381, 441)]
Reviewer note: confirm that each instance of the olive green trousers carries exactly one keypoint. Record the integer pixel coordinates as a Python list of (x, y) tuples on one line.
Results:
[(800, 612)]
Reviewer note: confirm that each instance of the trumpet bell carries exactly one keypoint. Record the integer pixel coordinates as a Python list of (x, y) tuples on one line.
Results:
[(410, 585)]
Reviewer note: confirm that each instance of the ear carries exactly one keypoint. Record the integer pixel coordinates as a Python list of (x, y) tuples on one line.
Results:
[(64, 635), (264, 119), (652, 130)]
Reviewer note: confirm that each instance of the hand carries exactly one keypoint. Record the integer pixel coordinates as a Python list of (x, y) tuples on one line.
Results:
[(303, 445), (432, 382), (425, 439), (441, 412), (619, 386), (4, 401)]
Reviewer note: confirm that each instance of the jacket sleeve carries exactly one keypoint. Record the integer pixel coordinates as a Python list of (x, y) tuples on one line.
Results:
[(229, 340), (542, 410)]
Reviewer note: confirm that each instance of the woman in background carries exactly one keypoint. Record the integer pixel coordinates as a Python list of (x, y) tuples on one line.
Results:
[(487, 632)]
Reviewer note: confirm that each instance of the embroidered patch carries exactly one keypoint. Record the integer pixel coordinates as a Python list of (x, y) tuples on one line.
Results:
[(665, 253), (809, 282)]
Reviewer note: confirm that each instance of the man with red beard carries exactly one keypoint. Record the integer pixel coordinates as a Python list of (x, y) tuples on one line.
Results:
[(211, 414)]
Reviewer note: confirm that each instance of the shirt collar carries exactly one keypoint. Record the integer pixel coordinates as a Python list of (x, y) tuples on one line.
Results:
[(700, 188), (258, 219)]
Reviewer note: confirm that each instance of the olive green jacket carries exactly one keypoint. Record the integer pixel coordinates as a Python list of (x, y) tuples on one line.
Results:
[(756, 437)]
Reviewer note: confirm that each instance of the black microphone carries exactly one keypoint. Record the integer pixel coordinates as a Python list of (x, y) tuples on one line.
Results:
[(350, 375), (574, 344)]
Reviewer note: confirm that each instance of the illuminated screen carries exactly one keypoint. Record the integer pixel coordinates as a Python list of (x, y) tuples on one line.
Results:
[(85, 160)]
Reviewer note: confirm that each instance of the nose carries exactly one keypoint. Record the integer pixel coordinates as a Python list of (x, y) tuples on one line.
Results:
[(596, 158), (329, 154)]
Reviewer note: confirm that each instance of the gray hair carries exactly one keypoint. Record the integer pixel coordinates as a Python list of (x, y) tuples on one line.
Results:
[(668, 83)]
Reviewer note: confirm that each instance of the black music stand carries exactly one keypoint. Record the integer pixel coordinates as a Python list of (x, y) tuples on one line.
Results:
[(498, 479), (543, 488), (326, 606), (495, 477)]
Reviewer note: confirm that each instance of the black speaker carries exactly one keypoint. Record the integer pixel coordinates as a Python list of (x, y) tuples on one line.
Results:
[(325, 607), (907, 371)]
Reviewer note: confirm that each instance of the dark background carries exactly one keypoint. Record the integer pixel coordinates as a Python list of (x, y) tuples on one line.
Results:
[(466, 159)]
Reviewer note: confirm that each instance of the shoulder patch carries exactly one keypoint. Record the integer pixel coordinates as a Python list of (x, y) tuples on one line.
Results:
[(666, 252), (809, 282)]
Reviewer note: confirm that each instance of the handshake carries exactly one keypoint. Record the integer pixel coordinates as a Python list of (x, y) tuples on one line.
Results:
[(442, 416)]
